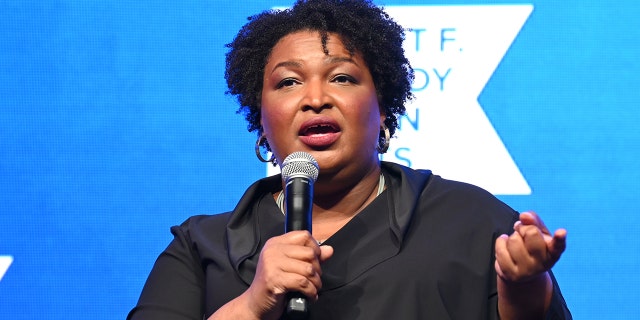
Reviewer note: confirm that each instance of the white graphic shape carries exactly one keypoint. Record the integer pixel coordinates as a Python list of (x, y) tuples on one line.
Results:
[(454, 51), (5, 262)]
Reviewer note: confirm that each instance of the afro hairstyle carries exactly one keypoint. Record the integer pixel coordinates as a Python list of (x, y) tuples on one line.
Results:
[(363, 27)]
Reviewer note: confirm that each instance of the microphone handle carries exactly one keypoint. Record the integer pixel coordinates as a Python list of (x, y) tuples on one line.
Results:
[(299, 199), (297, 306)]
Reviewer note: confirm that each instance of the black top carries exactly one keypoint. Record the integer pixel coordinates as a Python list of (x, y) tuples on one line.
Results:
[(423, 249)]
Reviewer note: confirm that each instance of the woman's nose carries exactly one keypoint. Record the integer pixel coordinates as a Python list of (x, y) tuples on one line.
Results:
[(316, 96)]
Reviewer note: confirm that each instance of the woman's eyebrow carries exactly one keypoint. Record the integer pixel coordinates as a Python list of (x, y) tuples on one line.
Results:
[(340, 59), (330, 60), (289, 63)]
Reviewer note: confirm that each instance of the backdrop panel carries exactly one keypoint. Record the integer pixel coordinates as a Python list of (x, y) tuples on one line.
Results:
[(114, 126)]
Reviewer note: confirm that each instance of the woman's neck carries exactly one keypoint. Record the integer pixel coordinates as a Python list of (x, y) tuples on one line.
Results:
[(333, 210)]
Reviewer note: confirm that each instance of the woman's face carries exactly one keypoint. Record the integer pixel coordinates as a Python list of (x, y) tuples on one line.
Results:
[(322, 104)]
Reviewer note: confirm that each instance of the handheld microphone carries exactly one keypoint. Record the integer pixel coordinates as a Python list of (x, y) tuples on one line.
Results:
[(299, 172)]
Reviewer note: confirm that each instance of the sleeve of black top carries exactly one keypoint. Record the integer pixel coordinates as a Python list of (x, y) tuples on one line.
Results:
[(558, 309), (174, 288)]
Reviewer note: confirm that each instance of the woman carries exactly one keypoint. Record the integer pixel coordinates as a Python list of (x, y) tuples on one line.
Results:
[(329, 77)]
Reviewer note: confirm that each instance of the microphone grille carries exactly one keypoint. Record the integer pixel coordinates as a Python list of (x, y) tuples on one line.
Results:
[(300, 164)]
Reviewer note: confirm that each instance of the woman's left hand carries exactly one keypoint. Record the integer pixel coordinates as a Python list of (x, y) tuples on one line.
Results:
[(529, 251)]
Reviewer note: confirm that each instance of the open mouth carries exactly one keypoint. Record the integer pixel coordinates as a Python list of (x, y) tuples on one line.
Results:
[(320, 132), (321, 128)]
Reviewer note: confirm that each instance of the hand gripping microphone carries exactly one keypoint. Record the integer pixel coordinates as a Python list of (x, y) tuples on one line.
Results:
[(299, 172)]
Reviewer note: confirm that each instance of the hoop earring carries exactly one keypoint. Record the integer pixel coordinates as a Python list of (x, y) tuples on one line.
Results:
[(383, 142), (262, 141)]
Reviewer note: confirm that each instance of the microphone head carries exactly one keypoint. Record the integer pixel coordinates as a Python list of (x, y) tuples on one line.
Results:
[(300, 164)]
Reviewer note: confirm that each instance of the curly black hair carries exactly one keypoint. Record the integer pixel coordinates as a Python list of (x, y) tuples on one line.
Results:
[(364, 28)]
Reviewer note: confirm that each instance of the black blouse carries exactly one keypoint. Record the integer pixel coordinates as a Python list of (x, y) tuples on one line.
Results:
[(423, 249)]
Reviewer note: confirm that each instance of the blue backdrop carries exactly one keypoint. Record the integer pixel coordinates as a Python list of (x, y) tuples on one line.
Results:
[(114, 126)]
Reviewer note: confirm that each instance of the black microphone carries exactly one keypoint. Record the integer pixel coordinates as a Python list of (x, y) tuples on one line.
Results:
[(299, 172)]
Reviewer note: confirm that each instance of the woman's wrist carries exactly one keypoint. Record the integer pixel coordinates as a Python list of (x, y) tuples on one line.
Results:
[(527, 299), (238, 308)]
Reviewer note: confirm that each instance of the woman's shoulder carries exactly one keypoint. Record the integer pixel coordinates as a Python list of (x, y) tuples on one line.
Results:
[(445, 185), (470, 201), (428, 181), (239, 215), (197, 225)]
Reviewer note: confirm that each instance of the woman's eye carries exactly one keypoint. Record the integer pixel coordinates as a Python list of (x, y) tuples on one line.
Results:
[(287, 82), (343, 78)]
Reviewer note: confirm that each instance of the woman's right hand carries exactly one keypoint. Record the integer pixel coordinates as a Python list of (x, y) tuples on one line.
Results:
[(288, 263)]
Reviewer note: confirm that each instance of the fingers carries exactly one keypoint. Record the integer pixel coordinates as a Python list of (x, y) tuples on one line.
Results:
[(513, 261), (325, 252), (290, 262), (530, 250), (301, 277), (321, 253), (532, 239), (531, 218), (300, 238), (558, 243), (504, 262)]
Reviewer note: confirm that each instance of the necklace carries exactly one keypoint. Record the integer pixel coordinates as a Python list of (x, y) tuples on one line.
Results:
[(280, 198)]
